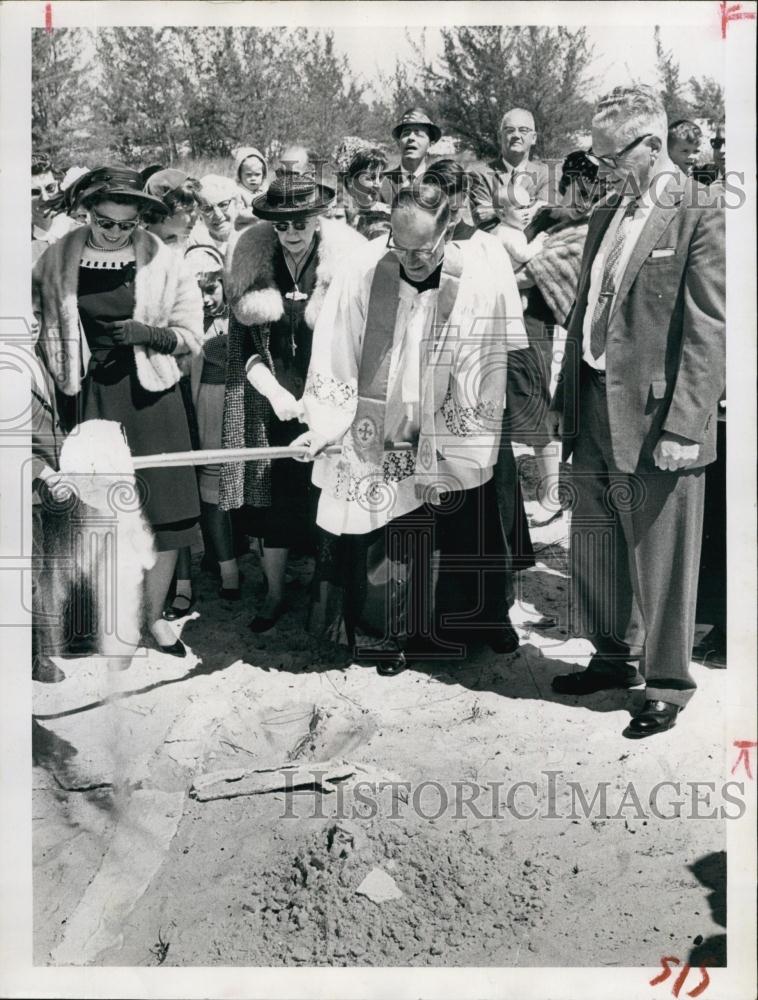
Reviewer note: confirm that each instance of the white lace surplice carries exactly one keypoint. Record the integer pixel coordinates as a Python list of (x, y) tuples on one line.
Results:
[(463, 376)]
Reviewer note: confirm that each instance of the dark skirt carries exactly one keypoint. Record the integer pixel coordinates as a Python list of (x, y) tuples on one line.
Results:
[(153, 422), (290, 521), (383, 584)]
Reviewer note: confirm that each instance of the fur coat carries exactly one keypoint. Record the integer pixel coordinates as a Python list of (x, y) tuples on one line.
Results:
[(255, 304), (166, 295), (555, 267)]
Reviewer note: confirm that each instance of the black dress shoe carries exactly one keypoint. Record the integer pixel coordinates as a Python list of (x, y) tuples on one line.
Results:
[(229, 593), (391, 666), (712, 648), (387, 662), (503, 639), (589, 681), (655, 717)]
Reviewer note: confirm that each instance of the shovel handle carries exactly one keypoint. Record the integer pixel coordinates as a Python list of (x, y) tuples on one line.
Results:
[(220, 456)]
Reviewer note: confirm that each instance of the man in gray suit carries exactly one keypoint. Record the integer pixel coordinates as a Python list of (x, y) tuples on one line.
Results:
[(636, 407), (517, 137)]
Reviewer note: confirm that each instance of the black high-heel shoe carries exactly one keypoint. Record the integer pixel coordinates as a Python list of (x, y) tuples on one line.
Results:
[(262, 623), (174, 612), (175, 649)]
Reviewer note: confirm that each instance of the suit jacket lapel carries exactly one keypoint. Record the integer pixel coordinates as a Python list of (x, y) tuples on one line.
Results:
[(661, 216), (599, 222)]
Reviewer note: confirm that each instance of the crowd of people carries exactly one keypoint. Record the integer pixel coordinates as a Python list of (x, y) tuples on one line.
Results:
[(386, 335)]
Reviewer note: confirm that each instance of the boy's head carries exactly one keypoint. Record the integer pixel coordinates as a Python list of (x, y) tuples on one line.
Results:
[(511, 203), (207, 264), (684, 144)]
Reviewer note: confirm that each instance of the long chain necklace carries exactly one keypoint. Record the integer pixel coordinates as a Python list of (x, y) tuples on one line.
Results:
[(295, 295), (296, 269)]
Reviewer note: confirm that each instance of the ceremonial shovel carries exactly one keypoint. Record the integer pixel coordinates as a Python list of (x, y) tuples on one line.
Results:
[(98, 447)]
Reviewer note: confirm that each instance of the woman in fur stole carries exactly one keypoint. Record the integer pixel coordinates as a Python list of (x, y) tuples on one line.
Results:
[(116, 309), (548, 281), (276, 281)]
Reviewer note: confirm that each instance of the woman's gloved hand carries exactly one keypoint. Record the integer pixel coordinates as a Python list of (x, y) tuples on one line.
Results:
[(284, 404), (128, 332)]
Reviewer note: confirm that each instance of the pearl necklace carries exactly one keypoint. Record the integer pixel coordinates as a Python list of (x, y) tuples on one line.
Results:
[(94, 246)]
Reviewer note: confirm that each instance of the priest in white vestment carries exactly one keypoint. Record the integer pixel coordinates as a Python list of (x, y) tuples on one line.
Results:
[(407, 375)]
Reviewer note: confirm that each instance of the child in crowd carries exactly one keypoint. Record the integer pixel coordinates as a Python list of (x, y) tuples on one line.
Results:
[(180, 193), (684, 144), (207, 380), (514, 208), (250, 172)]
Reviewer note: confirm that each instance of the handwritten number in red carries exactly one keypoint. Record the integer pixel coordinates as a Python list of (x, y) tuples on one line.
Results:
[(680, 979)]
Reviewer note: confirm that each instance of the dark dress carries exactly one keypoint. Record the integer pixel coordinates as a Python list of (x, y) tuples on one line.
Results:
[(289, 522), (153, 421)]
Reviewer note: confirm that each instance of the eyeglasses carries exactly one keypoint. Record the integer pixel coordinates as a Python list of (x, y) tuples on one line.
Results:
[(612, 161), (51, 188), (125, 226), (522, 130), (221, 205), (717, 143), (282, 227), (425, 252)]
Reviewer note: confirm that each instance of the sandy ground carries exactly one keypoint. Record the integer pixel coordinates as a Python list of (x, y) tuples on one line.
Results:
[(132, 869)]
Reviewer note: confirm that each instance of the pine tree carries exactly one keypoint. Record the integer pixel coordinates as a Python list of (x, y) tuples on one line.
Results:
[(484, 71), (672, 89), (58, 94), (707, 99)]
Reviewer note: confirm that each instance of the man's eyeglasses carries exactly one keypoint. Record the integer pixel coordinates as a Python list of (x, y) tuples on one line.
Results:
[(512, 130), (125, 226), (282, 227), (717, 143), (51, 188), (612, 161), (425, 252)]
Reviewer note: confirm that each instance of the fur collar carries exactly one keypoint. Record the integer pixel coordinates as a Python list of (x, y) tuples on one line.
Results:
[(165, 295), (252, 295), (556, 267)]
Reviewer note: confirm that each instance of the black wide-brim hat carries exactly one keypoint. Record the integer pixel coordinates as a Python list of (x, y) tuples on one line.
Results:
[(107, 181), (292, 196), (417, 116)]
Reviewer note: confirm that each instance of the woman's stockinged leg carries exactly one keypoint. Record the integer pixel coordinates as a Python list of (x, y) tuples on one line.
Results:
[(220, 538), (157, 581), (274, 566)]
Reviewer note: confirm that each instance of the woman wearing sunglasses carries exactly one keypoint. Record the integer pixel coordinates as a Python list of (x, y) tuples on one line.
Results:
[(116, 310), (278, 275)]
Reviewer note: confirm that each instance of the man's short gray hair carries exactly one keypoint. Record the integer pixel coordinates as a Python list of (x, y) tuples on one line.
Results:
[(632, 111), (510, 111)]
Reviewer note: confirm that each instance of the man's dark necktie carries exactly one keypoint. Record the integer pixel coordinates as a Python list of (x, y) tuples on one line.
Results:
[(602, 313)]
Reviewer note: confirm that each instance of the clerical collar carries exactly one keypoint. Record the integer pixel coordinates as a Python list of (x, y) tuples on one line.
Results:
[(433, 281)]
